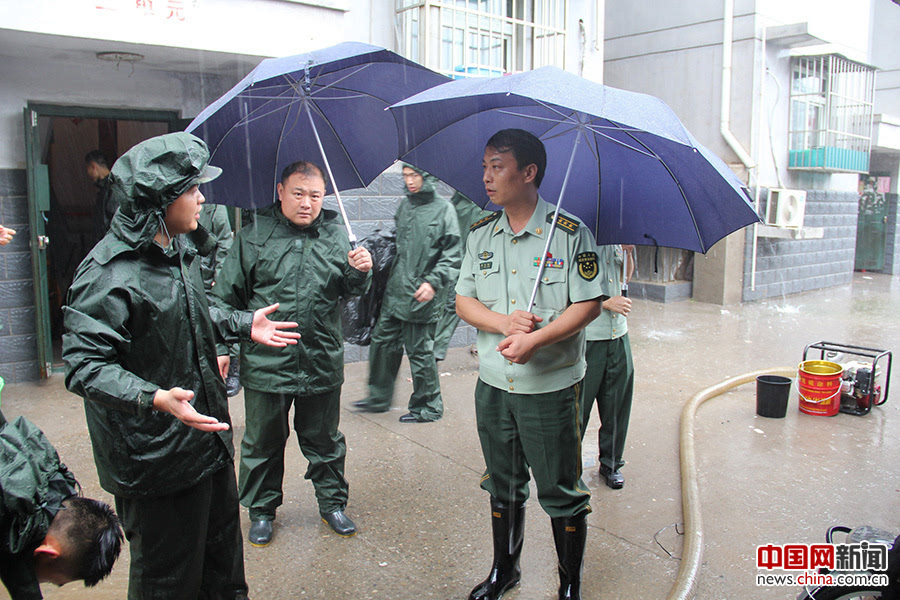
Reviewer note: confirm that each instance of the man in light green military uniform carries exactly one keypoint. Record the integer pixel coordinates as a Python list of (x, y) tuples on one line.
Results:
[(610, 374), (467, 212), (527, 399), (427, 261), (297, 254)]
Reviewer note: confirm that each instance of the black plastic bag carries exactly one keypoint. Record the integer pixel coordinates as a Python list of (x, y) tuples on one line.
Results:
[(359, 314)]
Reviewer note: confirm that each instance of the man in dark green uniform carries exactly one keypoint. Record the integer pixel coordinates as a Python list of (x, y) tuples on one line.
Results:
[(467, 212), (531, 361), (298, 255), (610, 374), (47, 533), (140, 348), (427, 261)]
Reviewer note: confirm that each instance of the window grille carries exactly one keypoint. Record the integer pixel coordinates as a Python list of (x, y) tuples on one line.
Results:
[(831, 114), (486, 38)]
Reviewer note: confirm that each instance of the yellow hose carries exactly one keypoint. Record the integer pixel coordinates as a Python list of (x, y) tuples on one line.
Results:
[(692, 550)]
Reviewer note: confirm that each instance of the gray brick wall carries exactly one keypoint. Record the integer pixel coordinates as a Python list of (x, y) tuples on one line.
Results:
[(892, 243), (18, 341), (785, 266)]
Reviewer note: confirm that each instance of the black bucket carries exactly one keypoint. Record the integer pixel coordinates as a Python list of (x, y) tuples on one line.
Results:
[(772, 393)]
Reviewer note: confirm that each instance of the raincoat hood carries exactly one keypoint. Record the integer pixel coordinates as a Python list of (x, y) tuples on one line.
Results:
[(429, 183), (152, 175)]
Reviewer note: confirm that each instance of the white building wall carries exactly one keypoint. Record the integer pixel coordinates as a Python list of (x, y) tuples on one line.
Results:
[(674, 51), (884, 51)]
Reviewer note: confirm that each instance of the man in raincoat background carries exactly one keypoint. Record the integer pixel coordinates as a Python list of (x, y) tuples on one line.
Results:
[(297, 254), (48, 534), (427, 261), (467, 212), (141, 348)]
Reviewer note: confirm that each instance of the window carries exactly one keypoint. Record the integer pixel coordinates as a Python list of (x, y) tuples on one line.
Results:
[(472, 38), (831, 114)]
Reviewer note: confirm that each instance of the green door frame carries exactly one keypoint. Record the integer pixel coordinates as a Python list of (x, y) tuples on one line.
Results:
[(38, 181)]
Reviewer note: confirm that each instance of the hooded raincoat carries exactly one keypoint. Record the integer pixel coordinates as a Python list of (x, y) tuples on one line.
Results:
[(33, 485), (137, 320), (428, 250)]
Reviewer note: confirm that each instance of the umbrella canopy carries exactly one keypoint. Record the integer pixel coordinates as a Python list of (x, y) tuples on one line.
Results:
[(276, 114), (635, 174)]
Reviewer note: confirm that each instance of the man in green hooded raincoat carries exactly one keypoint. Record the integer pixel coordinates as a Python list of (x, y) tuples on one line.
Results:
[(467, 212), (427, 262), (143, 348), (297, 254)]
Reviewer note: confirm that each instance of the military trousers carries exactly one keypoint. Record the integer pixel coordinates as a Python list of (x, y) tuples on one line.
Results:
[(316, 420), (445, 328), (186, 545), (610, 382), (390, 337), (540, 431)]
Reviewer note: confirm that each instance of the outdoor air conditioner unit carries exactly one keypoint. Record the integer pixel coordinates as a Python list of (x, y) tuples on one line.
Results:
[(785, 208)]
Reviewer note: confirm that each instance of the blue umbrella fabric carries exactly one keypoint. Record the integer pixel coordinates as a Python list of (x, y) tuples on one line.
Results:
[(637, 176), (263, 123)]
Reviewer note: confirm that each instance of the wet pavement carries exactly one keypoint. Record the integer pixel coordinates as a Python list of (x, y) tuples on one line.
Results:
[(424, 528)]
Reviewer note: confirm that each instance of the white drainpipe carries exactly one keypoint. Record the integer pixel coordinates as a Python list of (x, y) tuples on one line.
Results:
[(725, 120)]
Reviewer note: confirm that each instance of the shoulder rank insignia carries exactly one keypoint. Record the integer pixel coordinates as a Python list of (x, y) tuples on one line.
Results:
[(564, 222), (587, 265), (482, 222)]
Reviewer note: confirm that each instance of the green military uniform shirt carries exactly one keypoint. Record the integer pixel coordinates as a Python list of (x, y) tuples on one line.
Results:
[(609, 325), (499, 269)]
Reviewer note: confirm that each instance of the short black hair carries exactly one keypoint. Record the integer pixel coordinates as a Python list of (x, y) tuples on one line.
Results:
[(91, 533), (526, 148), (97, 157), (307, 169)]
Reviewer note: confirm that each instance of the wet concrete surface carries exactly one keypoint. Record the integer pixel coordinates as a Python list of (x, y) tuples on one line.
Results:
[(424, 528)]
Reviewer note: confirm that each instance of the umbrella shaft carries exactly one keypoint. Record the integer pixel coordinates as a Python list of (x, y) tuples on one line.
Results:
[(337, 194), (562, 191)]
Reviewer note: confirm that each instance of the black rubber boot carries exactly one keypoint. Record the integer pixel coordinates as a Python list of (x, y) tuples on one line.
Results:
[(508, 528), (570, 534)]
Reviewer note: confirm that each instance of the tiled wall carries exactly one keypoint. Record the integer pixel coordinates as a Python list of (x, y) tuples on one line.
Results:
[(18, 341), (786, 266)]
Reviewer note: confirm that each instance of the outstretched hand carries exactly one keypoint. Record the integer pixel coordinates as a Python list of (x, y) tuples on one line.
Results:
[(6, 235), (177, 402), (272, 333)]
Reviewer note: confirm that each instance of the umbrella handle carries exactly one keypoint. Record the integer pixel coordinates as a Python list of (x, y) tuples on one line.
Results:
[(337, 194)]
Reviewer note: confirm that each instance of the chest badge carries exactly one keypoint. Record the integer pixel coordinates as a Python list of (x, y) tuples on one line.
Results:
[(486, 255)]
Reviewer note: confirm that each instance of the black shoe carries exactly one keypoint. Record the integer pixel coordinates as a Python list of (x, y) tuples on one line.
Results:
[(363, 406), (569, 536), (508, 530), (233, 381), (260, 533), (613, 478), (411, 418), (340, 523)]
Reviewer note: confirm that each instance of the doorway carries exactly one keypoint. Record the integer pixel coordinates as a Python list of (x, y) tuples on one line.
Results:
[(62, 199)]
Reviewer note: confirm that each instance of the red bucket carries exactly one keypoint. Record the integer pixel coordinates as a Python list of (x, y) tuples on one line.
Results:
[(819, 384)]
